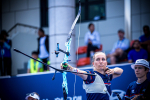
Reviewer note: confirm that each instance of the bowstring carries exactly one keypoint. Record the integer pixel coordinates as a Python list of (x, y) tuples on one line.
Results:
[(77, 52)]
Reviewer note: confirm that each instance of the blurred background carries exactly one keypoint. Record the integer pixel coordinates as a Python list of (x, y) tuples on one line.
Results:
[(21, 20)]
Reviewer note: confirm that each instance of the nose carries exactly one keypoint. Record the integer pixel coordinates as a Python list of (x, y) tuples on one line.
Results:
[(136, 70), (100, 61)]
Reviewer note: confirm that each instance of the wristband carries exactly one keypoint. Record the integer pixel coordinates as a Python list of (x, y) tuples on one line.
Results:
[(75, 69)]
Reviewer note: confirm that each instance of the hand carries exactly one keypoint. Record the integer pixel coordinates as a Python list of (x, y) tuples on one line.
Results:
[(135, 97), (89, 41), (61, 66), (68, 67), (109, 71)]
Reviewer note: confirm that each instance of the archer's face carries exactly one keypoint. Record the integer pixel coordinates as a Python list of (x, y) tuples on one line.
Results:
[(140, 71), (100, 61)]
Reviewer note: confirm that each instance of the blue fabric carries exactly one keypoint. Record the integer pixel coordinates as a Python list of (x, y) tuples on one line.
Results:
[(136, 89), (5, 49), (134, 55), (143, 38), (99, 96)]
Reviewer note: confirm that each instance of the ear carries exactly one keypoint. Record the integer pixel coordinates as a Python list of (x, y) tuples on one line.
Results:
[(147, 70)]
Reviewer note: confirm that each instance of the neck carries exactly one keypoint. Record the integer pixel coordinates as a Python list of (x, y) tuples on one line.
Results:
[(43, 35), (121, 38), (137, 49), (91, 32), (142, 79), (100, 71)]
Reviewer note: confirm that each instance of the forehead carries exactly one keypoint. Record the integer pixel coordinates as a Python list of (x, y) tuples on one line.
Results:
[(100, 55)]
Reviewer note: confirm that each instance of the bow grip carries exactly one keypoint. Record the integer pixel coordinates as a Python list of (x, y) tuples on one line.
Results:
[(65, 65)]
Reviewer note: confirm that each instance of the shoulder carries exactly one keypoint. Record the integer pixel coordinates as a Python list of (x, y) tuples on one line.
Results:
[(143, 50), (38, 38), (142, 36), (96, 32), (132, 84), (127, 40), (87, 33), (131, 51), (29, 61)]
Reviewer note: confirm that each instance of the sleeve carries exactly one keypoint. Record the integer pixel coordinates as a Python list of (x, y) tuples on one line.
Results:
[(97, 39), (111, 76), (145, 55), (7, 45), (40, 64), (90, 79), (140, 39), (127, 95), (28, 66), (125, 45), (129, 55), (86, 38), (114, 48)]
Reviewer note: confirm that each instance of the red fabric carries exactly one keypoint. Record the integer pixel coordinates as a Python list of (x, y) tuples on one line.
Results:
[(83, 49), (84, 61)]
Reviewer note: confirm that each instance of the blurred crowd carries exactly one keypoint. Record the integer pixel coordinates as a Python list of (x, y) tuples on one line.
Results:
[(123, 50)]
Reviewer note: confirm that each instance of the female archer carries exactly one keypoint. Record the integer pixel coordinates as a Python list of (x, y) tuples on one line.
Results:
[(98, 87)]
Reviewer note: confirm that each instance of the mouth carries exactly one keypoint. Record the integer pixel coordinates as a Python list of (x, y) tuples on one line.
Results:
[(137, 73)]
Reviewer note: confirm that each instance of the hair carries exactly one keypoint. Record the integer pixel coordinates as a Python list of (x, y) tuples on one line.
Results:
[(146, 68), (4, 32), (34, 53), (95, 54), (145, 26), (120, 31), (40, 29), (90, 25)]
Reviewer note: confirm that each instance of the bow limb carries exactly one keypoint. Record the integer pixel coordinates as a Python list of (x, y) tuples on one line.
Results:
[(67, 44)]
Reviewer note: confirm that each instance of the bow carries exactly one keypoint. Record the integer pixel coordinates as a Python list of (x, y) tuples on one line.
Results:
[(67, 53)]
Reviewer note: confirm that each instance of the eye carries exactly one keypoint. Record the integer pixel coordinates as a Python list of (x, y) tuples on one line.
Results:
[(140, 68), (103, 59), (98, 59)]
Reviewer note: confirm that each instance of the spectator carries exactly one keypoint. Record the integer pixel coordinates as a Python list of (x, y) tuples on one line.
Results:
[(145, 39), (98, 87), (5, 54), (137, 88), (92, 40), (137, 52), (118, 53), (33, 96), (34, 66), (43, 47)]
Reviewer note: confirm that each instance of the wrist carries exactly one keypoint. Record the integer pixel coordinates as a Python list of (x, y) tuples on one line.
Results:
[(69, 67), (114, 70)]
